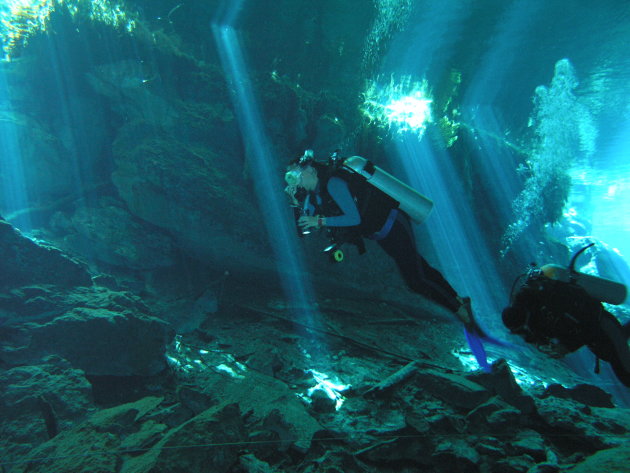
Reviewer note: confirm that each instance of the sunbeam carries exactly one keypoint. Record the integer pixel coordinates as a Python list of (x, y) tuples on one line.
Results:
[(260, 157)]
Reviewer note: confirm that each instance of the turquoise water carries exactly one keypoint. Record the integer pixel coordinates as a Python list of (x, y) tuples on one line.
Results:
[(142, 151)]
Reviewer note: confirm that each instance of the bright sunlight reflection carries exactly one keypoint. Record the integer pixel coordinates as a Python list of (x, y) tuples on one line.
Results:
[(21, 19), (412, 112), (332, 388), (403, 106)]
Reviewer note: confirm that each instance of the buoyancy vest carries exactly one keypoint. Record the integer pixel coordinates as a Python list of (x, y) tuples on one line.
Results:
[(374, 205), (558, 310)]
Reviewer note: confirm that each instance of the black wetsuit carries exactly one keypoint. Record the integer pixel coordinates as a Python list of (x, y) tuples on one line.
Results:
[(419, 275), (381, 220), (562, 315)]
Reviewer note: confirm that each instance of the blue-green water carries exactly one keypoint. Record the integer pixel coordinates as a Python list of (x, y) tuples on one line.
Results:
[(147, 141)]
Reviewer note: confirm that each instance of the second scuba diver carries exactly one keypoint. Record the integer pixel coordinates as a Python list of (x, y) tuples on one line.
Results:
[(559, 310), (334, 197)]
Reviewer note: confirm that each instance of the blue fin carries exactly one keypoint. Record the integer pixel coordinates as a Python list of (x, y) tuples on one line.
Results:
[(476, 345)]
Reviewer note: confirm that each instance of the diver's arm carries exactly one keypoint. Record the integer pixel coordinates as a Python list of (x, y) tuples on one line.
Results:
[(339, 191)]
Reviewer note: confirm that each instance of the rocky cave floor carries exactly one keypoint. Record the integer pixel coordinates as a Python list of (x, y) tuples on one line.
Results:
[(357, 386), (364, 389)]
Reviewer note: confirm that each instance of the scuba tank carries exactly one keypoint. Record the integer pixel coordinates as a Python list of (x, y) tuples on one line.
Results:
[(602, 289), (414, 204)]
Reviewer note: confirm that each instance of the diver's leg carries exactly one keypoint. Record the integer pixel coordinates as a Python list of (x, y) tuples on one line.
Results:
[(615, 334), (613, 345), (418, 274), (620, 372)]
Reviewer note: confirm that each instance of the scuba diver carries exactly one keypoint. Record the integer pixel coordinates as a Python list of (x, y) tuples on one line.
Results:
[(353, 199), (560, 310)]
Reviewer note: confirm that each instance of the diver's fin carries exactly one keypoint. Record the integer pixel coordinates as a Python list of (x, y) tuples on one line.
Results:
[(466, 316), (475, 335), (476, 346), (475, 328)]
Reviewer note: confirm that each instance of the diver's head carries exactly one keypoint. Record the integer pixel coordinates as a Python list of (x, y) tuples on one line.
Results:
[(301, 176), (293, 178)]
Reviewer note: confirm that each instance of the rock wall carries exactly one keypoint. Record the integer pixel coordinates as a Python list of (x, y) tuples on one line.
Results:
[(144, 118)]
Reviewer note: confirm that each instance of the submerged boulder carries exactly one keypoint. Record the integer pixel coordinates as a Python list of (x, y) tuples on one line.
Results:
[(501, 381), (37, 153), (25, 261), (97, 340), (100, 331), (127, 86), (49, 307), (589, 428), (456, 455), (613, 460), (40, 401), (584, 393), (134, 438), (211, 441), (455, 389), (190, 191), (108, 233), (93, 445)]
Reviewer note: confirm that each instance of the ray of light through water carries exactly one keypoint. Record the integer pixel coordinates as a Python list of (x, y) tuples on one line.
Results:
[(260, 155), (459, 243), (460, 246), (12, 177)]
